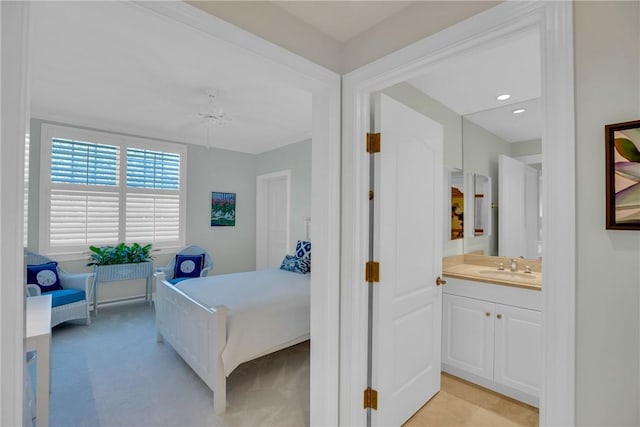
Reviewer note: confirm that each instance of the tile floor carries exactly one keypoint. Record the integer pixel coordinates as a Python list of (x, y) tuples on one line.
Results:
[(460, 403)]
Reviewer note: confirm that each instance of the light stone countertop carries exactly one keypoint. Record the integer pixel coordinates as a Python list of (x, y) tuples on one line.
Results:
[(481, 268)]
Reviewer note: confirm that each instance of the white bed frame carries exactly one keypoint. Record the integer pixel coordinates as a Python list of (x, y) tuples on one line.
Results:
[(199, 335)]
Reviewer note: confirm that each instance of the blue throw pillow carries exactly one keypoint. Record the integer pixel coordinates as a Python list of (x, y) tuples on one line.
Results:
[(188, 265), (303, 249), (45, 276), (296, 264)]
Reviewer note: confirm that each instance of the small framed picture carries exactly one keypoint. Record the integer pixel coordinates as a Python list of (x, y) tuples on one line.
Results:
[(622, 142), (223, 209)]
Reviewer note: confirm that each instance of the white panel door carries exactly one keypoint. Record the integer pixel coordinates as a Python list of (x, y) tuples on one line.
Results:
[(277, 221), (408, 244), (518, 348), (467, 334), (272, 219), (511, 230)]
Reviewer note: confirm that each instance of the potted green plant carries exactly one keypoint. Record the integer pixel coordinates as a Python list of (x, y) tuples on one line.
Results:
[(119, 254), (121, 262)]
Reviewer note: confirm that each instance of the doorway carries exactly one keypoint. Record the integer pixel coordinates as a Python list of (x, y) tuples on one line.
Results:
[(554, 23)]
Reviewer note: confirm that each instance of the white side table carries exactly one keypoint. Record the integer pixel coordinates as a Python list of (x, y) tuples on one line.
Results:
[(38, 339)]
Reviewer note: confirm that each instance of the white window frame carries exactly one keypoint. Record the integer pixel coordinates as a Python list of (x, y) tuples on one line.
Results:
[(50, 131)]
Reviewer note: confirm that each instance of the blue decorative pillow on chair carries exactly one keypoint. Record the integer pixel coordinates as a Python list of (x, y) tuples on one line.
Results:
[(45, 276), (296, 264), (303, 249), (188, 266)]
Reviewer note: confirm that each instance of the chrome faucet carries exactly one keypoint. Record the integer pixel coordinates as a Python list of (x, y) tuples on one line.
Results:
[(513, 267)]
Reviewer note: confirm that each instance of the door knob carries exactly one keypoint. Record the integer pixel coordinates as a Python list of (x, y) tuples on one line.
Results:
[(440, 281)]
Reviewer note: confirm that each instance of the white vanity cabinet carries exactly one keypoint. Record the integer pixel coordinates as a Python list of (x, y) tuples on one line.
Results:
[(467, 334), (492, 336)]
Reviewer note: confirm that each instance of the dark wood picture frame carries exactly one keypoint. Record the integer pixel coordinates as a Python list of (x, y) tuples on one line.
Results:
[(622, 145)]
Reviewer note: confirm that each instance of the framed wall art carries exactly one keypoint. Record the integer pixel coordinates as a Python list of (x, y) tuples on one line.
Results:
[(622, 142), (223, 209)]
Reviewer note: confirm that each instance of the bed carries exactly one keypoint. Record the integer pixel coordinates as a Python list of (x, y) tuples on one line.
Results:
[(215, 323)]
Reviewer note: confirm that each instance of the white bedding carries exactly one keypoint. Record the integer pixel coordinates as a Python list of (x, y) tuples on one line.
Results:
[(267, 309)]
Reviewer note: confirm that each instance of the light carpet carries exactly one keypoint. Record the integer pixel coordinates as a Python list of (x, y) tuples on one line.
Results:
[(114, 373)]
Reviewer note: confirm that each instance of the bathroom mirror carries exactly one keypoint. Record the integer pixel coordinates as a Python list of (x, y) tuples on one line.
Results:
[(507, 217)]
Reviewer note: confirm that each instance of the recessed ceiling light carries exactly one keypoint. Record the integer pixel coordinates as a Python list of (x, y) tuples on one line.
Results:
[(519, 111), (503, 97)]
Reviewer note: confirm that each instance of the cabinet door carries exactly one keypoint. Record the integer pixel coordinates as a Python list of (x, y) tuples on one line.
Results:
[(518, 339), (468, 334)]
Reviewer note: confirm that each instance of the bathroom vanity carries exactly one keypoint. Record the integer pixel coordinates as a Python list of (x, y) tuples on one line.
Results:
[(492, 324)]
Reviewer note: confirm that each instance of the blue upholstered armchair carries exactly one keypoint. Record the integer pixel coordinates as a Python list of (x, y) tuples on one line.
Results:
[(191, 261), (70, 292)]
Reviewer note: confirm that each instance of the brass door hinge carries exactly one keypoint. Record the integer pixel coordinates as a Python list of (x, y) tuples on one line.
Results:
[(370, 398), (373, 142), (372, 271)]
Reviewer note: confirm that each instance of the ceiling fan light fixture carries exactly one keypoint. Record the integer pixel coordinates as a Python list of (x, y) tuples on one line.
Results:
[(212, 112)]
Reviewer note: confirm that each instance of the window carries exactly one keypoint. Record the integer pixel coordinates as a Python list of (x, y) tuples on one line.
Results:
[(99, 189)]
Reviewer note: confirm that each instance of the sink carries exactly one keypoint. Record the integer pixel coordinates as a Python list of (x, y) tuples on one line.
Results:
[(509, 275)]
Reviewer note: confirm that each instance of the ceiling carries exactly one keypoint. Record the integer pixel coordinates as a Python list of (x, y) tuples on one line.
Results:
[(114, 65), (147, 75), (468, 83), (342, 20)]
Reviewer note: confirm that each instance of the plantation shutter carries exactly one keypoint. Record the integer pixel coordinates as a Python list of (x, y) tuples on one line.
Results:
[(76, 162), (103, 189), (81, 212), (153, 169), (83, 218), (152, 216)]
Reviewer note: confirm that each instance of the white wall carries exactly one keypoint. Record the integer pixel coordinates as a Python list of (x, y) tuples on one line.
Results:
[(297, 158), (526, 148), (212, 169), (607, 48)]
